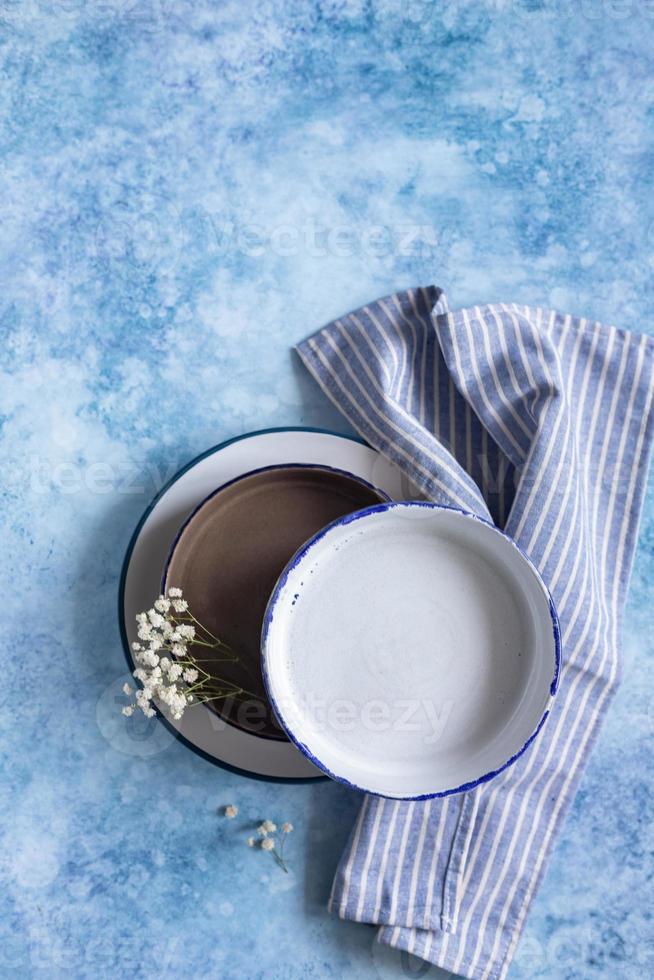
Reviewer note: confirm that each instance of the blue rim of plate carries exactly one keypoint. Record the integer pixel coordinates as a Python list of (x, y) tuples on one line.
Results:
[(123, 580), (350, 519)]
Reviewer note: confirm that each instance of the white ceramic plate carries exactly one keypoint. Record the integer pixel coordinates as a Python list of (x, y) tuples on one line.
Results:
[(201, 728), (411, 650)]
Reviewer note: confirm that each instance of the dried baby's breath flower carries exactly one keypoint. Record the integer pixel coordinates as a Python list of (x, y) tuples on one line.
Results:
[(231, 811), (170, 673), (267, 843)]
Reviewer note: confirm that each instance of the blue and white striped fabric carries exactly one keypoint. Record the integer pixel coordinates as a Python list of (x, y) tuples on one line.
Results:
[(546, 421)]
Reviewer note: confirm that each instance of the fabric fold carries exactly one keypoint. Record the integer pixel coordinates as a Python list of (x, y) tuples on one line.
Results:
[(544, 422)]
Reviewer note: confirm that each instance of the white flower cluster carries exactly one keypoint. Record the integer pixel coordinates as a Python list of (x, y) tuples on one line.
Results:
[(165, 669), (267, 843)]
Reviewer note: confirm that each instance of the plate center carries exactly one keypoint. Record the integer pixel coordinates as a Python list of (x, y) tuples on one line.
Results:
[(391, 669)]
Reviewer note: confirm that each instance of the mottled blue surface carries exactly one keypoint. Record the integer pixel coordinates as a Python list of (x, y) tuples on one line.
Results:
[(187, 189)]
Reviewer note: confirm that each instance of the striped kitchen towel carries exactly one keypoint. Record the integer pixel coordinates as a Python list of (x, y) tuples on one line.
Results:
[(545, 421)]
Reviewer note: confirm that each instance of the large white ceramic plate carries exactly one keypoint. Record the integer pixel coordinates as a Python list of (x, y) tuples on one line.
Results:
[(411, 650), (201, 728)]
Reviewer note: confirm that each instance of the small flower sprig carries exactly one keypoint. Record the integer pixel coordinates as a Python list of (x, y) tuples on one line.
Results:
[(267, 843), (166, 669), (264, 842)]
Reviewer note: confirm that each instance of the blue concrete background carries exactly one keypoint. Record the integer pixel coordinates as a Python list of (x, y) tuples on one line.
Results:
[(187, 189)]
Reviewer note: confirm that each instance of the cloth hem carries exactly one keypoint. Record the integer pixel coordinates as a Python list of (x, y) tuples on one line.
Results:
[(381, 917)]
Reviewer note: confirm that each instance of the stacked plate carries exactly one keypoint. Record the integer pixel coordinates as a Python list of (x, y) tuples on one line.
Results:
[(259, 751), (404, 648)]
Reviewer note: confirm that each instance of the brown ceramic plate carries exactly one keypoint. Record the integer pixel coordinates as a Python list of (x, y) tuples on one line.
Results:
[(228, 557)]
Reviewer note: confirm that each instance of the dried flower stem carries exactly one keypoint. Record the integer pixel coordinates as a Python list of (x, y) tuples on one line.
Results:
[(267, 843)]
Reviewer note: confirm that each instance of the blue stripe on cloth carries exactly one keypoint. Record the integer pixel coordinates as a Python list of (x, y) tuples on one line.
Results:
[(545, 421)]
